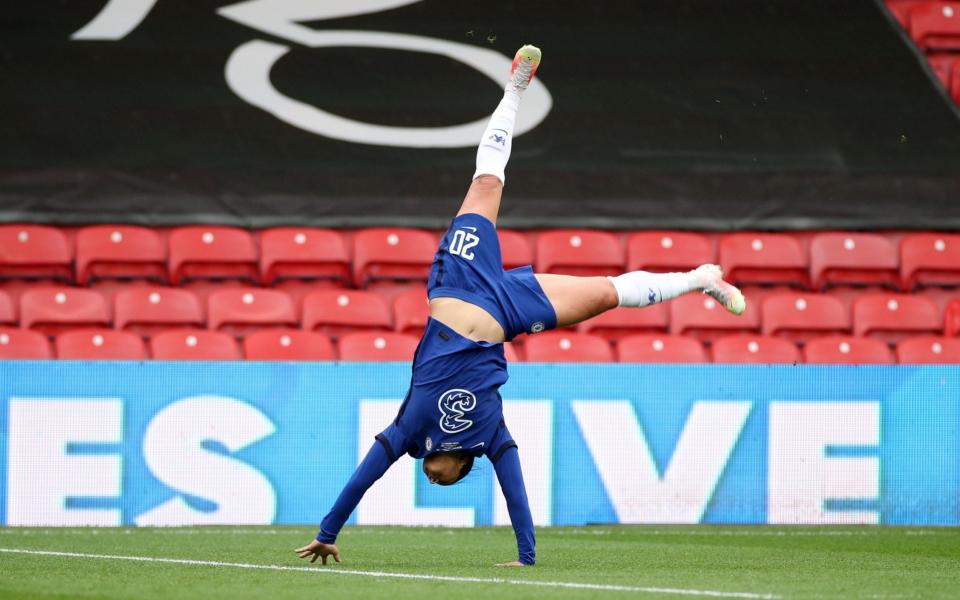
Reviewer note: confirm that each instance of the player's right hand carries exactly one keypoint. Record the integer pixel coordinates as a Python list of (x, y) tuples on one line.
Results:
[(317, 550)]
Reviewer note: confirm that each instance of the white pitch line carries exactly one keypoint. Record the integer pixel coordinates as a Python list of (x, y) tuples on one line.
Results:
[(491, 580)]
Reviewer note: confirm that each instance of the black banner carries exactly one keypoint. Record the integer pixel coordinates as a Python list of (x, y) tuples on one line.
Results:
[(673, 113)]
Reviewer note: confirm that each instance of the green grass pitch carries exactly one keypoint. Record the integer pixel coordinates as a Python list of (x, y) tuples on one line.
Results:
[(881, 563)]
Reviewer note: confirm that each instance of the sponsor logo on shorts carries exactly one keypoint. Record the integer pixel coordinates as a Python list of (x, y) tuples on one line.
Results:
[(428, 443), (537, 327)]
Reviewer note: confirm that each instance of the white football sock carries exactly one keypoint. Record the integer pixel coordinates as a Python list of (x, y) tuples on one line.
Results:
[(497, 140), (640, 288)]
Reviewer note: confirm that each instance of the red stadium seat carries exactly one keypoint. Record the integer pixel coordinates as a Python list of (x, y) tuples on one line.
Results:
[(377, 346), (562, 346), (929, 349), (209, 252), (579, 252), (936, 25), (955, 82), (512, 352), (653, 348), (239, 311), (800, 317), (303, 253), (701, 316), (22, 344), (853, 259), (951, 324), (942, 66), (901, 10), (764, 258), (335, 312), (891, 317), (392, 253), (666, 251), (53, 309), (754, 349), (620, 322), (515, 249), (930, 259), (150, 309), (100, 344), (8, 310), (34, 252), (846, 350), (410, 311), (120, 252), (194, 344), (287, 344)]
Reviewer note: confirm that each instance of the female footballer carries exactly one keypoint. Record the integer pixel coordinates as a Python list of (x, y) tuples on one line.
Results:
[(452, 412)]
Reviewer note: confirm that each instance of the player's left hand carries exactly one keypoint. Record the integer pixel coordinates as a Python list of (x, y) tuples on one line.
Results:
[(319, 550), (512, 563)]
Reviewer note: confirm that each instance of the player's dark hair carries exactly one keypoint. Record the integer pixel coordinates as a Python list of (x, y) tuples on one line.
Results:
[(465, 469)]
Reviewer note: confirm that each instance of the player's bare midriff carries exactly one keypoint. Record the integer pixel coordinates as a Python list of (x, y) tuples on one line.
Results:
[(469, 320)]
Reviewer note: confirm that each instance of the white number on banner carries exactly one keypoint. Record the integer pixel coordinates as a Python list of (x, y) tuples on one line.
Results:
[(248, 68), (462, 243)]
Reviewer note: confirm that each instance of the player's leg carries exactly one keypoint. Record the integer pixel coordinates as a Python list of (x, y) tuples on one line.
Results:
[(577, 299), (483, 197)]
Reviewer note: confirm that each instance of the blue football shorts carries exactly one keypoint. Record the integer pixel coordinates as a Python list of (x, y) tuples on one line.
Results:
[(468, 266)]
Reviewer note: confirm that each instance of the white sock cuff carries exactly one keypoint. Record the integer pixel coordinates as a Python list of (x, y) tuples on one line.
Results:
[(497, 140)]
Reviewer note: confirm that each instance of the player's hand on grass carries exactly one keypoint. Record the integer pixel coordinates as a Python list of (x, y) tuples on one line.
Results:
[(512, 563), (319, 550)]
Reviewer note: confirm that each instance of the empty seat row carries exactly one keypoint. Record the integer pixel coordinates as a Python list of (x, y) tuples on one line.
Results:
[(239, 311), (557, 346), (188, 344), (378, 254)]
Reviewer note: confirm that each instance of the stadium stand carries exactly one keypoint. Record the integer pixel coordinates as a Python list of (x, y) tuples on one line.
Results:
[(150, 309), (622, 322), (925, 264), (212, 253), (764, 258), (754, 349), (515, 249), (930, 259), (240, 311), (579, 252), (100, 344), (801, 317), (702, 317), (847, 350), (377, 346), (287, 344), (891, 317), (410, 311), (935, 25), (120, 252), (188, 344), (512, 352), (563, 346), (392, 254), (667, 251), (23, 344), (928, 349), (53, 309), (848, 258), (951, 318), (34, 252), (336, 312), (303, 253), (664, 348), (8, 310)]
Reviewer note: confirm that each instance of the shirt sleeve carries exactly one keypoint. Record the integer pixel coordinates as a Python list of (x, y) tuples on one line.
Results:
[(510, 477), (372, 468)]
